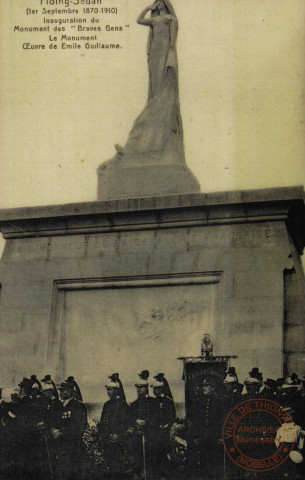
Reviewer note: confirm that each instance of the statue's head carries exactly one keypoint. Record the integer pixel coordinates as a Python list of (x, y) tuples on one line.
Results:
[(161, 6)]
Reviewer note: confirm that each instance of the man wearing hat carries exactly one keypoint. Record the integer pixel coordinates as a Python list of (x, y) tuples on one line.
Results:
[(49, 407), (46, 408), (205, 446), (47, 379), (166, 388), (144, 426), (255, 373), (253, 385), (290, 395), (76, 389), (293, 379), (67, 428), (115, 420), (35, 380), (166, 415), (270, 389), (114, 377), (4, 440), (23, 433), (232, 397), (232, 394)]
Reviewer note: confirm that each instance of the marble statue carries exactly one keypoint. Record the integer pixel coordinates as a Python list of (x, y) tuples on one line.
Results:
[(156, 138), (157, 132)]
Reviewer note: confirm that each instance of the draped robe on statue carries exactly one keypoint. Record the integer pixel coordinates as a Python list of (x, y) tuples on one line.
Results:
[(157, 132), (152, 160)]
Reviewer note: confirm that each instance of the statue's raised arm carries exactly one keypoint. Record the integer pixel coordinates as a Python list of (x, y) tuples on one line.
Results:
[(141, 18), (156, 138)]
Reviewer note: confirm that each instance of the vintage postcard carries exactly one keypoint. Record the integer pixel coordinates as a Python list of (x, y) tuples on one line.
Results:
[(153, 225)]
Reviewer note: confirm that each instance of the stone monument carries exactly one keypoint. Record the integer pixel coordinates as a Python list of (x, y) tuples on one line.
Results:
[(152, 161), (153, 263)]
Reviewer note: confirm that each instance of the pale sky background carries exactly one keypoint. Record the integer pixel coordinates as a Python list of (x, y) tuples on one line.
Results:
[(242, 87)]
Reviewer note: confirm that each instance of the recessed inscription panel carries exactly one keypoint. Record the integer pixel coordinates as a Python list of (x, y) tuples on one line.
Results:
[(127, 330)]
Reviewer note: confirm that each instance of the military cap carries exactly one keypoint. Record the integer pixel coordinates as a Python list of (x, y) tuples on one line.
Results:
[(141, 383), (112, 385), (65, 386), (46, 386), (26, 384), (231, 376), (46, 379), (157, 384), (293, 379), (69, 380), (289, 385), (251, 381), (34, 380), (144, 374)]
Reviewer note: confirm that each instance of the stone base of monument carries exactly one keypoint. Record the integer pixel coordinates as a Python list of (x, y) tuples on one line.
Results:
[(117, 181), (130, 284)]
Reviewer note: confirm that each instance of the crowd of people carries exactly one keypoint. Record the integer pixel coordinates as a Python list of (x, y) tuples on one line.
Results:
[(45, 431)]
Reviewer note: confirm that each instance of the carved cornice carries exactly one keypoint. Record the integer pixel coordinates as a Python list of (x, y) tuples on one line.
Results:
[(236, 207)]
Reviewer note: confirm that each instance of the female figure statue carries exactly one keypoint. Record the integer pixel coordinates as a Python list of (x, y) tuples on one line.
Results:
[(157, 134), (152, 161), (162, 59)]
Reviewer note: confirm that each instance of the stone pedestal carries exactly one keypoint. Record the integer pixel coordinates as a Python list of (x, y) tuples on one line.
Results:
[(126, 285), (125, 181)]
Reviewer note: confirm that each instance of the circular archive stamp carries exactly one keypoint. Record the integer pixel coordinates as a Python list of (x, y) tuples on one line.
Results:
[(250, 435)]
